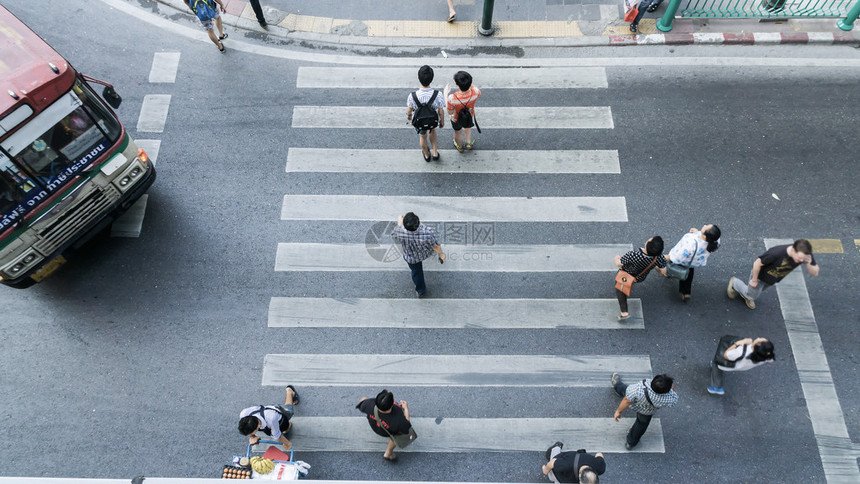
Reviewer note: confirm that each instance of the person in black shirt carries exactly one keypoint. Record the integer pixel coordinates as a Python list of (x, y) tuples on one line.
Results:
[(576, 466), (770, 268), (638, 263), (393, 417)]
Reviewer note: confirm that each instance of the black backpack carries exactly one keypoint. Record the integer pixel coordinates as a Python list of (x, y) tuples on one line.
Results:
[(465, 118), (425, 117)]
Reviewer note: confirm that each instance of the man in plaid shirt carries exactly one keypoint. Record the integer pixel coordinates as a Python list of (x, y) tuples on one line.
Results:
[(417, 242), (646, 397)]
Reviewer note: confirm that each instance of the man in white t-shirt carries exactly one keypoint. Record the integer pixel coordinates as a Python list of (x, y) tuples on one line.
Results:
[(740, 354), (434, 104)]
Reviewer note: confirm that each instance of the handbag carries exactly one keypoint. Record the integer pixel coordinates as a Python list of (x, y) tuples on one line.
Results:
[(624, 280), (401, 440), (725, 343), (631, 14), (680, 271)]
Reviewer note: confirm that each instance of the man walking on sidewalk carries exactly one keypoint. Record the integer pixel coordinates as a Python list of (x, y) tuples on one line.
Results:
[(646, 397), (576, 466), (772, 267), (417, 242), (258, 11)]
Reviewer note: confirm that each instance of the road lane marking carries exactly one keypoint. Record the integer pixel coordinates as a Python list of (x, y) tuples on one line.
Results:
[(491, 78), (816, 380), (131, 222), (455, 209), (826, 246), (385, 370), (443, 434), (477, 258), (164, 67), (547, 117), (305, 312), (331, 160), (151, 147), (153, 113)]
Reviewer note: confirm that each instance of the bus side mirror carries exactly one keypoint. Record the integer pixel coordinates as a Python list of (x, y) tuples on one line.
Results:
[(112, 97)]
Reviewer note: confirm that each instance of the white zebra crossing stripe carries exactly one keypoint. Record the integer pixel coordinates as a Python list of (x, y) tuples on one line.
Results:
[(302, 312), (151, 147), (331, 160), (131, 222), (549, 117), (486, 78), (353, 434), (164, 67), (474, 258), (153, 113), (455, 209), (373, 370)]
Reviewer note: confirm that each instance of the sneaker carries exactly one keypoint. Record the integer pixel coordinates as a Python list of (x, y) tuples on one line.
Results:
[(652, 8), (730, 291), (615, 379), (633, 28), (553, 446), (628, 446), (420, 294), (750, 302), (716, 391)]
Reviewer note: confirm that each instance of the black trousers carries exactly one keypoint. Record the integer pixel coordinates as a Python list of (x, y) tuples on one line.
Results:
[(638, 429), (685, 287), (258, 11)]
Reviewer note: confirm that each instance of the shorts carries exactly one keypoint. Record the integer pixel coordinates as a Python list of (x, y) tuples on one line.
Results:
[(423, 132), (210, 24), (456, 126)]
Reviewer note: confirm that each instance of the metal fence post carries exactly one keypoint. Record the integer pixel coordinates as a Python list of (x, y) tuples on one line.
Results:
[(665, 22), (847, 23), (486, 27)]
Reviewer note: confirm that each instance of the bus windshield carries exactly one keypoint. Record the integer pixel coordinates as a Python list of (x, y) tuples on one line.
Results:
[(51, 147), (64, 138)]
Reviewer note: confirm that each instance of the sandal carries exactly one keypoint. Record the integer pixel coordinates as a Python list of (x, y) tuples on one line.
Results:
[(295, 394), (436, 157), (459, 148), (452, 18), (393, 457), (471, 143), (426, 157), (223, 36), (220, 46)]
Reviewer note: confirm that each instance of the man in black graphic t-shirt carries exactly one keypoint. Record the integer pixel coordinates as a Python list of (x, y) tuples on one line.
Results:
[(393, 418), (771, 267), (578, 466)]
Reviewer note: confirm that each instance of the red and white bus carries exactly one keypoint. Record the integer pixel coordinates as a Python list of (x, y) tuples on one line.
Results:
[(67, 166)]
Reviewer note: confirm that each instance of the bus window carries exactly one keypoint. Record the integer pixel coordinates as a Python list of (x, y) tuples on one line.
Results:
[(79, 129), (16, 188)]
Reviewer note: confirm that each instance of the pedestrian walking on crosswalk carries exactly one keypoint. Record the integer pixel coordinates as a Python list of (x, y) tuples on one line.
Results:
[(772, 267), (578, 466), (738, 354), (461, 108), (690, 252), (390, 419), (634, 267), (425, 108), (272, 420), (417, 242), (645, 397)]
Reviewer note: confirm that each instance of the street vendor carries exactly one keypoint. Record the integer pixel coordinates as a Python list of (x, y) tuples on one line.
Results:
[(273, 420)]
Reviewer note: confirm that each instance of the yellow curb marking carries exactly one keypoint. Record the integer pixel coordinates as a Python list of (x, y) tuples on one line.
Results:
[(248, 12), (646, 26), (857, 243), (427, 28), (826, 246)]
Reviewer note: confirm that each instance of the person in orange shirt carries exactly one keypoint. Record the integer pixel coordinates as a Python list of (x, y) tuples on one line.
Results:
[(461, 108)]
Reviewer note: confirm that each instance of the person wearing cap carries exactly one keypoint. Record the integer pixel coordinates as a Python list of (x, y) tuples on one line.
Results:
[(393, 418), (736, 354)]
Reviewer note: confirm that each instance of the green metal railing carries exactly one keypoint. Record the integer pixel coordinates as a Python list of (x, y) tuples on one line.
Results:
[(761, 9), (764, 8)]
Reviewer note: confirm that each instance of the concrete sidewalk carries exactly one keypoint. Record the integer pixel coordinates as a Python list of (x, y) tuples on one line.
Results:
[(542, 23)]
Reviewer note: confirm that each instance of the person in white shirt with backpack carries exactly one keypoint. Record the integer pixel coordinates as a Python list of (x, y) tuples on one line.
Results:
[(425, 108)]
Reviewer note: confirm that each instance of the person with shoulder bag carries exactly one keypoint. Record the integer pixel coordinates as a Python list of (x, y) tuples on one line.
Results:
[(738, 354), (691, 251), (579, 467), (389, 419), (634, 267)]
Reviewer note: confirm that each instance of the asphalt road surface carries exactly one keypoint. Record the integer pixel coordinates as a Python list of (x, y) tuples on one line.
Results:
[(261, 261)]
